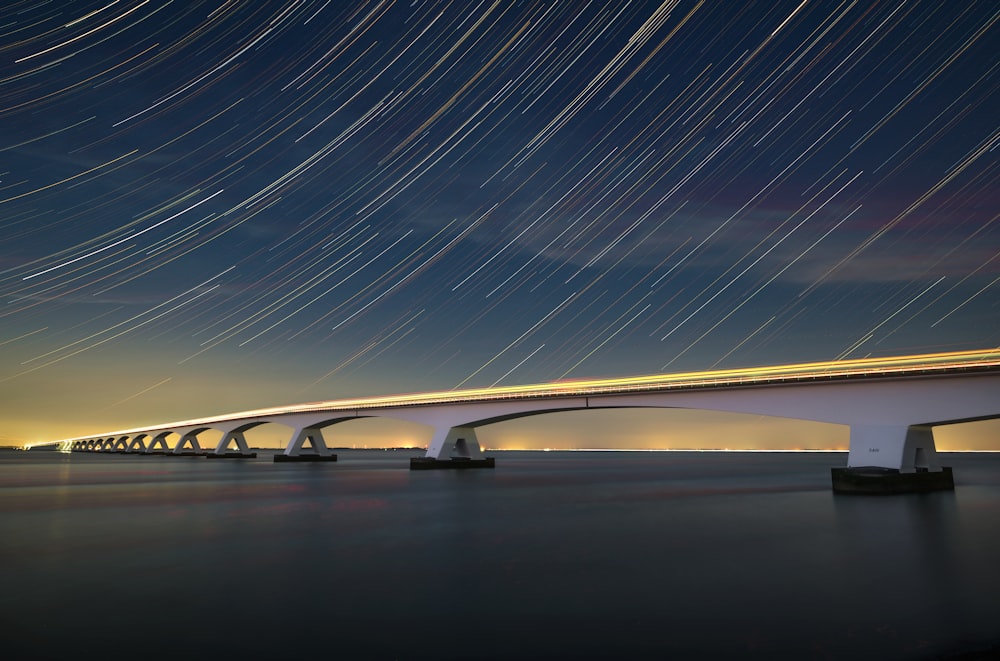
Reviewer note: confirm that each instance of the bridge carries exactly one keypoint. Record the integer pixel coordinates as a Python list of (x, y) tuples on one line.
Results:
[(891, 405)]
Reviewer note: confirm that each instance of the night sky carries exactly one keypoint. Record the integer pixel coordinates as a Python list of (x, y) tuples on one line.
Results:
[(214, 206)]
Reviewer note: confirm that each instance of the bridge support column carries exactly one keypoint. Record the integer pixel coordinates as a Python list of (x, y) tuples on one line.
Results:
[(457, 447), (892, 459), (242, 448), (314, 437), (188, 439), (137, 444), (159, 441)]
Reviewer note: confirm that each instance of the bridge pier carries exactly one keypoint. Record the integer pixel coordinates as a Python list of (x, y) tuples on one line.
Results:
[(455, 447), (159, 441), (892, 459), (222, 449), (137, 444), (188, 439), (314, 437)]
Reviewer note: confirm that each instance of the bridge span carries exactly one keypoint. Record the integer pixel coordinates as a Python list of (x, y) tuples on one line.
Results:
[(891, 405)]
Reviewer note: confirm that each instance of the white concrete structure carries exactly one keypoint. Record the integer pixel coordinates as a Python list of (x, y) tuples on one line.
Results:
[(892, 406)]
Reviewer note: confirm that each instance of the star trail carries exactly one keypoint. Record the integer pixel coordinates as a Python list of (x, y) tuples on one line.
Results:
[(211, 206)]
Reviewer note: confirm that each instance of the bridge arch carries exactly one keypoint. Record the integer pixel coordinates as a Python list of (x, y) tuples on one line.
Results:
[(462, 437), (234, 433), (188, 442), (159, 441), (308, 432)]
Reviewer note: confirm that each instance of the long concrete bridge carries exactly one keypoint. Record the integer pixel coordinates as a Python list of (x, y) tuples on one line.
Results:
[(891, 405)]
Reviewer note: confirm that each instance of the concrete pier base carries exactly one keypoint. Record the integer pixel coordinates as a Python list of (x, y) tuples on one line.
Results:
[(279, 458), (430, 463), (878, 480), (231, 455)]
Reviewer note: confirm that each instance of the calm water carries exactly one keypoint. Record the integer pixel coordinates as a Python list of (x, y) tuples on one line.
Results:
[(550, 555)]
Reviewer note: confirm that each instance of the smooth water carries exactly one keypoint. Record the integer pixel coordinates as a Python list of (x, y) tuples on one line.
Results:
[(550, 555)]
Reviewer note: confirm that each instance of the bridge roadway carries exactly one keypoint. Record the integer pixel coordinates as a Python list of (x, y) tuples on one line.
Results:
[(892, 406)]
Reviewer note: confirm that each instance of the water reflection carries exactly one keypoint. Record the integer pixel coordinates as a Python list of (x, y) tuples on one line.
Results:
[(660, 555), (904, 560)]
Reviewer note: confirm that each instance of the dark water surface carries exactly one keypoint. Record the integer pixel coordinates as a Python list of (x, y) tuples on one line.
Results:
[(551, 555)]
